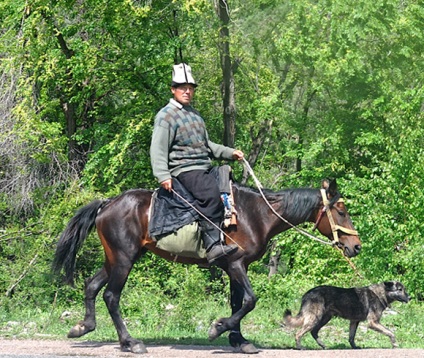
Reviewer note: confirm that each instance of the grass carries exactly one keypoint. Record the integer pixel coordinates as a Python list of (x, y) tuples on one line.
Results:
[(186, 321)]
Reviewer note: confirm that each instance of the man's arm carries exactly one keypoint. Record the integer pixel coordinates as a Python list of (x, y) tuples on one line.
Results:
[(222, 152), (159, 152)]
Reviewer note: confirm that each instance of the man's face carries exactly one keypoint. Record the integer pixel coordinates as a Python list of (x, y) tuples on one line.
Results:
[(183, 93)]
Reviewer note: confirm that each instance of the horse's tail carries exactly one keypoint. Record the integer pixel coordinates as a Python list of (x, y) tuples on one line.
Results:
[(293, 321), (72, 239)]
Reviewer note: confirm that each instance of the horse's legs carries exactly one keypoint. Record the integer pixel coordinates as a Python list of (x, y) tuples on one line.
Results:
[(92, 287), (112, 295), (243, 301), (235, 338)]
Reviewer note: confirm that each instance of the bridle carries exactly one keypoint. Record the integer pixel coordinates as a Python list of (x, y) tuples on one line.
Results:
[(327, 205), (327, 208)]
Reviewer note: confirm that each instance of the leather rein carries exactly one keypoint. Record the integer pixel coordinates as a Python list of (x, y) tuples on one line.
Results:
[(326, 209)]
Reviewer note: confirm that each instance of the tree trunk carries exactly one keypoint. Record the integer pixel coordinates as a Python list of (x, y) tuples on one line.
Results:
[(258, 140), (274, 260), (228, 88), (76, 157)]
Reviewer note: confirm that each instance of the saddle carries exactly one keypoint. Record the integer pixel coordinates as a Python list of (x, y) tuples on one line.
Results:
[(173, 222)]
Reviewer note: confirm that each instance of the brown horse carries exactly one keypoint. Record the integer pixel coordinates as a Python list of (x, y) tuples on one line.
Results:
[(122, 225)]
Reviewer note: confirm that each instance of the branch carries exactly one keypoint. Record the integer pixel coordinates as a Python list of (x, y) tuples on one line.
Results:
[(20, 278)]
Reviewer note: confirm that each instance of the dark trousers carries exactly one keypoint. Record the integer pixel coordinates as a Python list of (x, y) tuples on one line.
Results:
[(204, 188)]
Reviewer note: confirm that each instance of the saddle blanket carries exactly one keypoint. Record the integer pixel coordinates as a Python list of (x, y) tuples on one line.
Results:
[(168, 212)]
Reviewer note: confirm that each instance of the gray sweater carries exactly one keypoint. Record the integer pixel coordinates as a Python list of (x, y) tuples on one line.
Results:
[(180, 142)]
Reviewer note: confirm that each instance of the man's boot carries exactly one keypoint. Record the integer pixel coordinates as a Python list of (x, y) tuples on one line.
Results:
[(215, 250)]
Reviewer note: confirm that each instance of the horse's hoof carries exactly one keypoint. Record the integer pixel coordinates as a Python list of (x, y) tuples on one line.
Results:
[(139, 348), (133, 346), (79, 330), (216, 330), (247, 348)]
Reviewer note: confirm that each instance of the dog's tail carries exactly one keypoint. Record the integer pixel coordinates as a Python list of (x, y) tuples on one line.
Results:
[(291, 321)]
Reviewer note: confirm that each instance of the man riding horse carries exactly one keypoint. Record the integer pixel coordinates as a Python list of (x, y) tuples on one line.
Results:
[(181, 149)]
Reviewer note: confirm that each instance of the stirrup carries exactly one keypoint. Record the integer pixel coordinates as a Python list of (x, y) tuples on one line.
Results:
[(230, 213), (219, 251)]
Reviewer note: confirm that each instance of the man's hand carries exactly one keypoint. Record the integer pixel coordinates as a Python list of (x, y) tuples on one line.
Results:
[(167, 184), (238, 154)]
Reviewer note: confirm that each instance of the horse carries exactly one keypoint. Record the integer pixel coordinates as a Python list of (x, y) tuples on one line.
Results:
[(122, 226)]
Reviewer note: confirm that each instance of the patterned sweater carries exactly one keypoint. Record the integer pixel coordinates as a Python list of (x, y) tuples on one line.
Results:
[(180, 142)]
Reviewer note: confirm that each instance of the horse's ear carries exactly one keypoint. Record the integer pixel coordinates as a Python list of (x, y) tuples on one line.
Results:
[(330, 187), (325, 184)]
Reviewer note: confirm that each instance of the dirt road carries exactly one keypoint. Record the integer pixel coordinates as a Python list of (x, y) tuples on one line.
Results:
[(67, 348)]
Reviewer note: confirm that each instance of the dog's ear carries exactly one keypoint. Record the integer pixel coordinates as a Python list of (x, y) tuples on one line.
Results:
[(390, 285)]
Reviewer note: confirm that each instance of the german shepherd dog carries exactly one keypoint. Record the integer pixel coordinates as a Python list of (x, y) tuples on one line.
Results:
[(356, 304)]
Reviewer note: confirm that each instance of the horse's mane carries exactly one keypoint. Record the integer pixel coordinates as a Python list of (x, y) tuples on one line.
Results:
[(270, 194), (295, 202)]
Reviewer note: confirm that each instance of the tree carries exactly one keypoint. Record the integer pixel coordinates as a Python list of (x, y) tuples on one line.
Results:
[(228, 67), (308, 89)]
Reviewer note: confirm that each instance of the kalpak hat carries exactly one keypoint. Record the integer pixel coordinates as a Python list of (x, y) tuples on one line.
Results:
[(181, 74)]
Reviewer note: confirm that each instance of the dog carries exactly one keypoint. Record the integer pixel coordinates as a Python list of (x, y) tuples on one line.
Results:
[(356, 304)]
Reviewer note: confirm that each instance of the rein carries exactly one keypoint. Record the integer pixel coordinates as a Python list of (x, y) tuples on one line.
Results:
[(326, 202), (326, 208), (303, 232)]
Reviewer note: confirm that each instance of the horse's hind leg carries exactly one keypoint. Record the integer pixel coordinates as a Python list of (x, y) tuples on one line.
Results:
[(92, 287), (112, 296)]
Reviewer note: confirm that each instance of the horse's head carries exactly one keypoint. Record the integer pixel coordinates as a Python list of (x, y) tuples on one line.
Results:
[(333, 220)]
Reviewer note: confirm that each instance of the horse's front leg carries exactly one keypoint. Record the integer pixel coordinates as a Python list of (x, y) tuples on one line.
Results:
[(235, 338), (243, 301), (92, 287)]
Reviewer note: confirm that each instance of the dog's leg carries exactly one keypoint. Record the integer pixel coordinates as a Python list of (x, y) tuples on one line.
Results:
[(299, 336), (378, 327), (324, 320), (308, 325), (318, 340), (352, 332)]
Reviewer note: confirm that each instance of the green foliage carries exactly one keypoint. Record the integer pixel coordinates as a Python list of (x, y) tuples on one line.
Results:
[(323, 89), (122, 163)]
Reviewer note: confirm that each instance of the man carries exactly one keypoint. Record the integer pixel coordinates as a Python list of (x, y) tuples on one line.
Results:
[(181, 148)]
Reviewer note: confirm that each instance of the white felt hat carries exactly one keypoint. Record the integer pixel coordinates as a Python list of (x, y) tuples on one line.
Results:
[(181, 74)]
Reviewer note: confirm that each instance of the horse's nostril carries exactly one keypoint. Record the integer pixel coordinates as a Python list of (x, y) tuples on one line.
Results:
[(358, 248)]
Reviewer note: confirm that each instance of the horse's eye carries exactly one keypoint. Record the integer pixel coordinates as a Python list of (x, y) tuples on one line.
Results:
[(341, 213)]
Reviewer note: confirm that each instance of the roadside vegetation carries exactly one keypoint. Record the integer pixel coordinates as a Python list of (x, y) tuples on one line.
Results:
[(184, 316)]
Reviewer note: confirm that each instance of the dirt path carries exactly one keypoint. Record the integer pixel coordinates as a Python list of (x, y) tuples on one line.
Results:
[(62, 348)]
